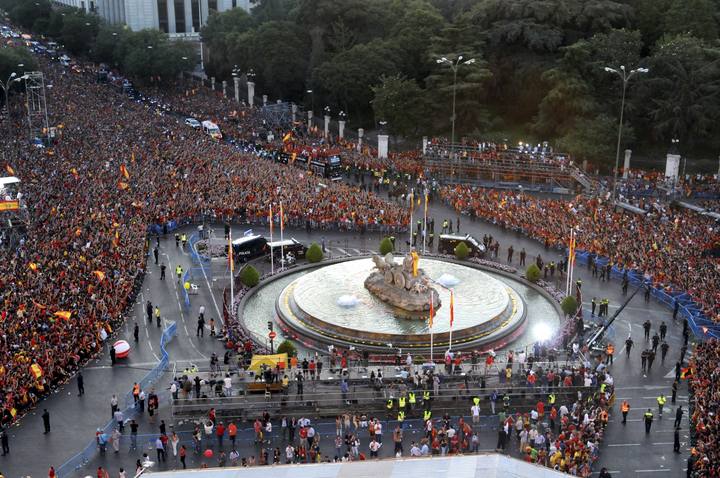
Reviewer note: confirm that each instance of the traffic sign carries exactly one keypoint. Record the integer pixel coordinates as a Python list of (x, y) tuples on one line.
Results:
[(272, 335)]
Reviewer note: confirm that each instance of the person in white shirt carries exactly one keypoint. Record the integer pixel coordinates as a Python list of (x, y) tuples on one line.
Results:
[(378, 431), (425, 449), (227, 385), (289, 453), (374, 447), (475, 411), (414, 450)]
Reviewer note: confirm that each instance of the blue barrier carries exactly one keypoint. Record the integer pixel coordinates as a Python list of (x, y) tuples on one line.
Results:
[(700, 325), (71, 466)]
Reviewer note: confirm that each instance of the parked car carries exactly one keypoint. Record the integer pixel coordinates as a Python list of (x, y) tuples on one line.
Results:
[(448, 242), (193, 123)]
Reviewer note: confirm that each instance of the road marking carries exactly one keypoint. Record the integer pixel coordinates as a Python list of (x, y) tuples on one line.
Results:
[(625, 444), (182, 313), (357, 251), (660, 470), (342, 251), (664, 443)]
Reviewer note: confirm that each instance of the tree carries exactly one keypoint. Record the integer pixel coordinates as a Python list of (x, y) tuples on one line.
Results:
[(148, 55), (106, 41), (569, 305), (461, 251), (696, 18), (595, 139), (401, 103), (10, 58), (314, 253), (346, 78), (25, 13), (79, 32), (386, 246), (220, 35), (287, 347), (532, 273), (249, 276), (680, 96)]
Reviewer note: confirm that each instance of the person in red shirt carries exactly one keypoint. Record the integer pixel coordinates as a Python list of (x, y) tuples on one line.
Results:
[(220, 433), (232, 433), (541, 408)]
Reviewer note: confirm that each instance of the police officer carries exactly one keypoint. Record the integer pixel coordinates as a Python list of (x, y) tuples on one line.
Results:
[(593, 304), (624, 408), (427, 415), (389, 404), (178, 272), (648, 420), (426, 399), (411, 400), (661, 400)]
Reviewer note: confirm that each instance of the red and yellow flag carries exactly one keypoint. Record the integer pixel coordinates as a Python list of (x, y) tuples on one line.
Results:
[(282, 219), (100, 275), (231, 261), (39, 305), (432, 310), (74, 172), (63, 314), (452, 308), (10, 170), (124, 171), (287, 137), (33, 267), (116, 241), (122, 185), (36, 370)]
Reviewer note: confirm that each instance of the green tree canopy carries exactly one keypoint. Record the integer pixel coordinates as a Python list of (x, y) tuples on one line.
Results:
[(462, 251), (386, 246), (249, 276), (314, 253), (400, 102)]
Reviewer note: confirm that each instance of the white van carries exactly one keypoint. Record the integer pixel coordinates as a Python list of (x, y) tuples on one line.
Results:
[(211, 129)]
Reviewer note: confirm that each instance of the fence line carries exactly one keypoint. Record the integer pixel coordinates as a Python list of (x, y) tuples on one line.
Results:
[(83, 458)]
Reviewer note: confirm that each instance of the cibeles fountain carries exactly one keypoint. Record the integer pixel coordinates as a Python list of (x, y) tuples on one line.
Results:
[(381, 303), (404, 286)]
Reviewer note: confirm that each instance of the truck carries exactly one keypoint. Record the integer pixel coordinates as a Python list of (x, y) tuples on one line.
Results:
[(211, 129)]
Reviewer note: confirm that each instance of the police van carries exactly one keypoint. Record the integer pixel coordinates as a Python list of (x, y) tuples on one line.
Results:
[(249, 247), (448, 242), (288, 246)]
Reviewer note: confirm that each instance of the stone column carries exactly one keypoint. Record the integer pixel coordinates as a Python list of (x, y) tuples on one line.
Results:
[(326, 131), (672, 166), (224, 88), (341, 131), (236, 80), (425, 143), (264, 100), (626, 165), (212, 83), (293, 111), (251, 93), (310, 119), (382, 146), (171, 16), (188, 16), (361, 133)]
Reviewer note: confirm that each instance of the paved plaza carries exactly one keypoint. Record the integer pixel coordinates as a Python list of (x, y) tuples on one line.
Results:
[(627, 450)]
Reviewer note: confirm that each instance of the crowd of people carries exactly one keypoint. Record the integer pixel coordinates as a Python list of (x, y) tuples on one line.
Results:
[(667, 245), (118, 167), (704, 396)]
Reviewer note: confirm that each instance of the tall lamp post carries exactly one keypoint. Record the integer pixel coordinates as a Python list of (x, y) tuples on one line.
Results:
[(454, 65), (251, 87), (13, 78), (625, 77), (236, 82)]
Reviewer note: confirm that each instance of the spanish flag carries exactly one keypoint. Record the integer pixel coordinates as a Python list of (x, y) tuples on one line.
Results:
[(287, 137), (231, 260), (293, 157), (39, 305), (452, 308), (10, 170), (33, 267), (63, 314), (686, 373), (100, 275), (122, 185), (36, 370), (432, 310), (124, 171), (74, 172), (116, 241)]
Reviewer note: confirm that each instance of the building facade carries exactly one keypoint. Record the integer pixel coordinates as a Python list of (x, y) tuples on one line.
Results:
[(177, 17)]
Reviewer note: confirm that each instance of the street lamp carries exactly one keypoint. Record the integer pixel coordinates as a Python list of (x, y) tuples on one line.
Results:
[(625, 77), (312, 99), (454, 65), (13, 78)]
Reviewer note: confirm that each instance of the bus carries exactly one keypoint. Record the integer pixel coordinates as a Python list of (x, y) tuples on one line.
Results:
[(328, 167)]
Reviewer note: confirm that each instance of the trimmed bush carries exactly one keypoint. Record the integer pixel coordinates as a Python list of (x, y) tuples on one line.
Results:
[(462, 251), (532, 273), (287, 347), (386, 246), (569, 305), (314, 253), (249, 276)]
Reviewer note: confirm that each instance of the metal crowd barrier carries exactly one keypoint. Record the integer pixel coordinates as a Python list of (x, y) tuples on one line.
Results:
[(702, 327), (81, 459)]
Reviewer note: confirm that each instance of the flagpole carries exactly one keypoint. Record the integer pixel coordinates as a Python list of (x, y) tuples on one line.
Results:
[(452, 317), (282, 248), (410, 227), (425, 221), (272, 262), (431, 326), (569, 272), (232, 275)]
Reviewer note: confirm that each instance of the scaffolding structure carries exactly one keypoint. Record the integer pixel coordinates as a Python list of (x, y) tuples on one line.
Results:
[(38, 126), (277, 115)]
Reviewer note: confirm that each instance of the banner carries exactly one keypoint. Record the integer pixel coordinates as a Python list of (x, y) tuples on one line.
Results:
[(9, 205)]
